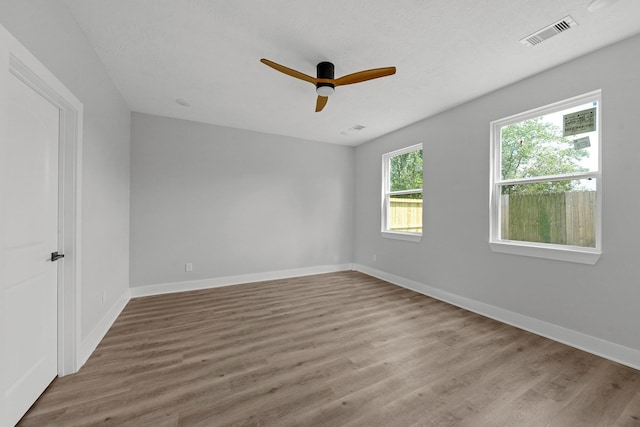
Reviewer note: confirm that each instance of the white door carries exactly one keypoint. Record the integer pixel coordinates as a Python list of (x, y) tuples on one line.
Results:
[(30, 230)]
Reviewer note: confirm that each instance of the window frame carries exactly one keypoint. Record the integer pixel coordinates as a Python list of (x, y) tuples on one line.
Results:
[(579, 254), (386, 195)]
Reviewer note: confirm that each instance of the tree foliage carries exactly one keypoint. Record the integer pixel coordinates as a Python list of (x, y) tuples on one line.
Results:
[(535, 148), (406, 172)]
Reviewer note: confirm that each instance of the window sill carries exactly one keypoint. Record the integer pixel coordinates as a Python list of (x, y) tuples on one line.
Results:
[(562, 253), (411, 237)]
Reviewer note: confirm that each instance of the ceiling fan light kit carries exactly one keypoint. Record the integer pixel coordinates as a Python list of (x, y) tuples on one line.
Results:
[(325, 70), (325, 82)]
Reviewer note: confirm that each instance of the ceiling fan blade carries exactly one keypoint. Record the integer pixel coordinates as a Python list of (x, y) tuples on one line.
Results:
[(289, 71), (321, 102), (363, 76)]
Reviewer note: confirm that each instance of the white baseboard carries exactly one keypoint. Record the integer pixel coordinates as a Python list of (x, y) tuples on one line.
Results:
[(612, 351), (92, 340), (192, 285), (615, 352)]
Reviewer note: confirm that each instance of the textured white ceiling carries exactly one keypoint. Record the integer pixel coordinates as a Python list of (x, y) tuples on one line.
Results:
[(446, 52)]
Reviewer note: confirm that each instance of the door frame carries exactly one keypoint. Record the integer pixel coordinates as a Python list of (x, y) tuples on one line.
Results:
[(22, 64)]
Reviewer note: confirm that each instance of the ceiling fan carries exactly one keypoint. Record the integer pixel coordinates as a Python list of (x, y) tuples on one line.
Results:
[(325, 83)]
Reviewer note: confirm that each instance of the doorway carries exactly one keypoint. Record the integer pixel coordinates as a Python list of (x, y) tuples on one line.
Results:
[(26, 260)]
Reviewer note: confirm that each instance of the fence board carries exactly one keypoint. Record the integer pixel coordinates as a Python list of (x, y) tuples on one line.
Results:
[(580, 218)]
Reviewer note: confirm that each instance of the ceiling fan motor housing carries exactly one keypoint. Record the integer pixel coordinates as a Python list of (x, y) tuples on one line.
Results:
[(325, 70)]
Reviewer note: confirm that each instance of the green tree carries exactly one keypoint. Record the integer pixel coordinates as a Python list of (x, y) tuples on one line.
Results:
[(406, 172), (534, 148)]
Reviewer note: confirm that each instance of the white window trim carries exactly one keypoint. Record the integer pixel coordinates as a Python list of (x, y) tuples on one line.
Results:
[(390, 234), (544, 250)]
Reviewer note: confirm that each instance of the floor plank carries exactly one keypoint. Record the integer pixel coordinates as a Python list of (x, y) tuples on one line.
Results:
[(340, 349)]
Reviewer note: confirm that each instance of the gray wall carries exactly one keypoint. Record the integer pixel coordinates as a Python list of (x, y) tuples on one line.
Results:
[(234, 202), (599, 300), (49, 32)]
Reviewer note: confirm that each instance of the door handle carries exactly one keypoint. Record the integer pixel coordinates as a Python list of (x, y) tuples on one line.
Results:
[(56, 256)]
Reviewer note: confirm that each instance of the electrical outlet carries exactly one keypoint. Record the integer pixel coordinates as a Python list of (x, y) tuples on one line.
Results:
[(375, 258), (104, 297), (188, 267)]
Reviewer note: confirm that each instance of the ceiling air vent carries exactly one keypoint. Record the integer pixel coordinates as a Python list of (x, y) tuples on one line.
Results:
[(354, 128), (547, 32)]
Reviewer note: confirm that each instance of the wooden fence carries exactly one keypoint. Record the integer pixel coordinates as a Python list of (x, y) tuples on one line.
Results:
[(560, 218), (406, 215)]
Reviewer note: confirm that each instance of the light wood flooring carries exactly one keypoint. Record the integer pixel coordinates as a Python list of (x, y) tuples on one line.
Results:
[(341, 349)]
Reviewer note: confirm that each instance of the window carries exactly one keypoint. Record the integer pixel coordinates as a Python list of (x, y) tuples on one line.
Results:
[(402, 193), (546, 184)]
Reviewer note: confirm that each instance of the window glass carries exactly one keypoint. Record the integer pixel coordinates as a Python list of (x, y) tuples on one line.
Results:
[(402, 192), (406, 171), (543, 146), (558, 212), (406, 213)]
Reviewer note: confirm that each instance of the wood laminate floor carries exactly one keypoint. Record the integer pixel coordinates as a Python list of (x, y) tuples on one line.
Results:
[(341, 349)]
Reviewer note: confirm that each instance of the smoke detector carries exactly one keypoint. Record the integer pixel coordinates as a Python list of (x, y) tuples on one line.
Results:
[(547, 32)]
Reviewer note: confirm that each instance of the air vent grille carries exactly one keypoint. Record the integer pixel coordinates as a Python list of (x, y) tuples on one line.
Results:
[(352, 129), (563, 25)]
